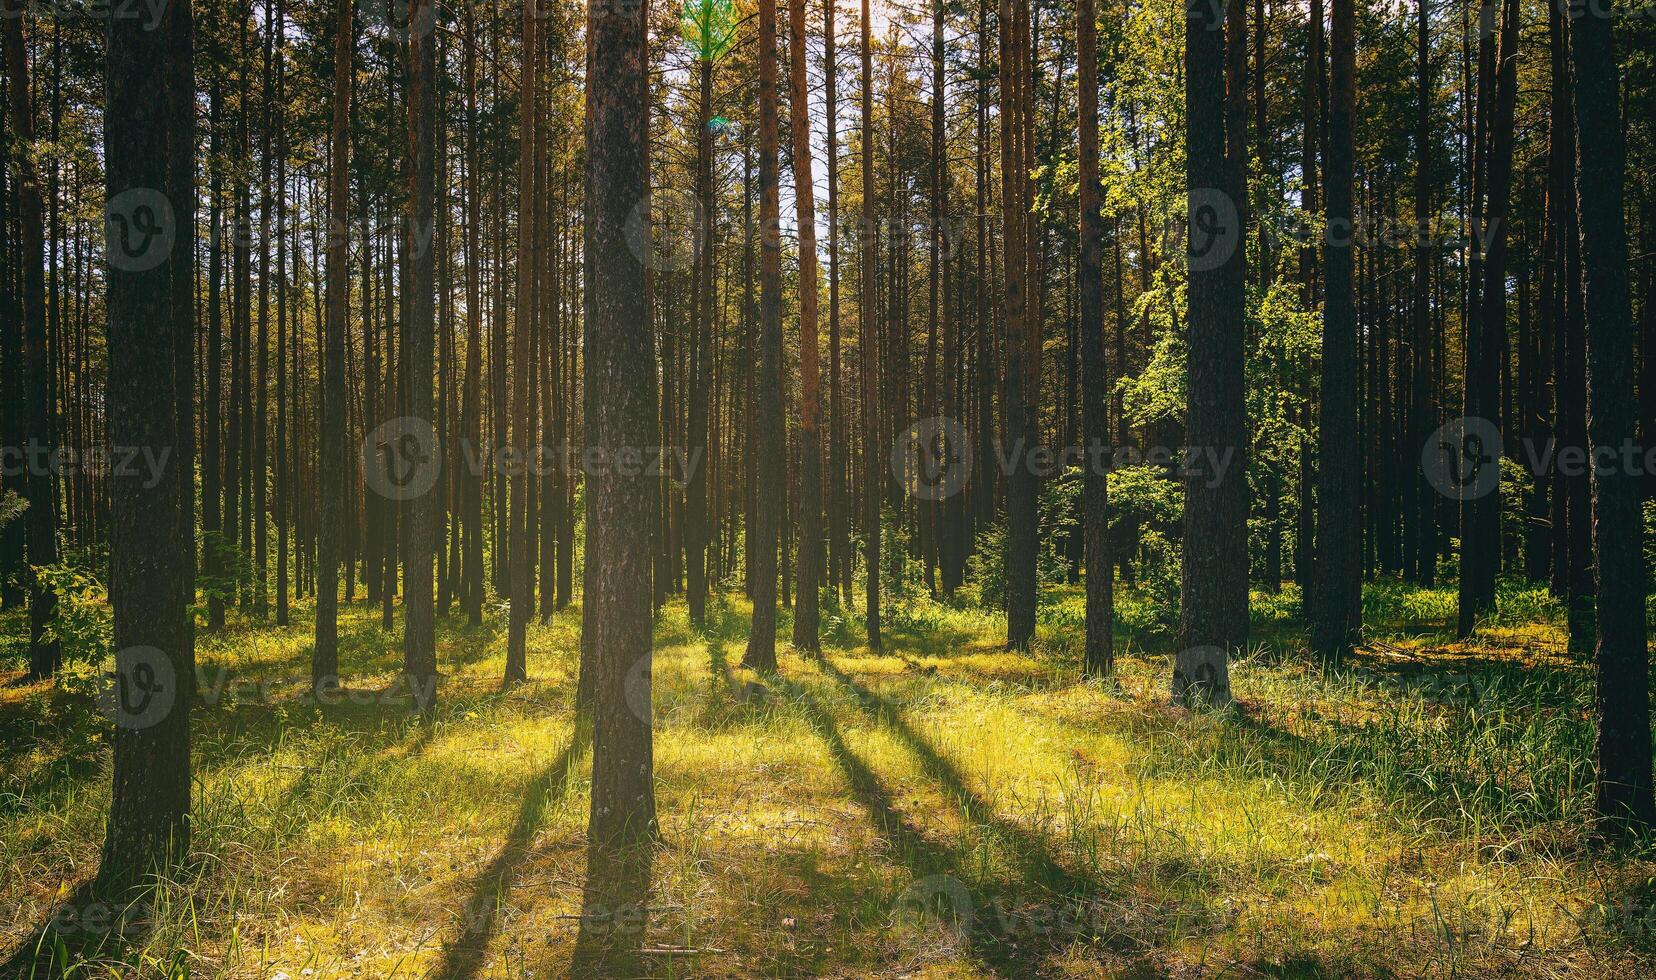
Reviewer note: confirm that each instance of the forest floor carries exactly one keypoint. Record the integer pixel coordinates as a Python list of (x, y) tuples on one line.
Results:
[(941, 809)]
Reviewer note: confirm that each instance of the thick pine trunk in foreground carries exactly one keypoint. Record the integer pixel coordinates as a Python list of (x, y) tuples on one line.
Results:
[(45, 654), (1623, 792), (620, 414), (1214, 612), (149, 138)]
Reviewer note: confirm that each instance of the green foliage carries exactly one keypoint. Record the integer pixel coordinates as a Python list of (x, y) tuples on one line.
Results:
[(1159, 581), (987, 566), (12, 507), (1059, 517), (83, 626), (708, 27), (1145, 497), (232, 566)]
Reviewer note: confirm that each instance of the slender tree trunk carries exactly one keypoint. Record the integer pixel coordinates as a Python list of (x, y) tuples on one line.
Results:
[(212, 520), (810, 437), (1486, 334), (1023, 328), (1095, 407), (1623, 798), (1421, 526), (261, 363), (868, 344), (424, 530), (471, 409), (1336, 615), (695, 514), (45, 653), (522, 594), (332, 464), (769, 444)]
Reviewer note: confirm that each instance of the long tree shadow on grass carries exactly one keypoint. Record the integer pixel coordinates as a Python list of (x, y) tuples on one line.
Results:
[(462, 959), (1071, 915), (1032, 849), (930, 864)]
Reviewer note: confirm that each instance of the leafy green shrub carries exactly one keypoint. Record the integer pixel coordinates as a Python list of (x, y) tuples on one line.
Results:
[(83, 626)]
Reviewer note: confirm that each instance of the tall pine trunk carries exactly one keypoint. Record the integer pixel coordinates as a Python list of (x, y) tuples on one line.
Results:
[(1023, 327), (149, 140), (1623, 798), (424, 528), (332, 463), (1095, 399), (1336, 610), (809, 497), (45, 653), (1214, 580), (620, 414), (702, 336), (767, 419), (1486, 329), (523, 412), (868, 344)]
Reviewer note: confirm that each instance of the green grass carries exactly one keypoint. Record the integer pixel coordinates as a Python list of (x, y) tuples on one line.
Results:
[(940, 809)]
